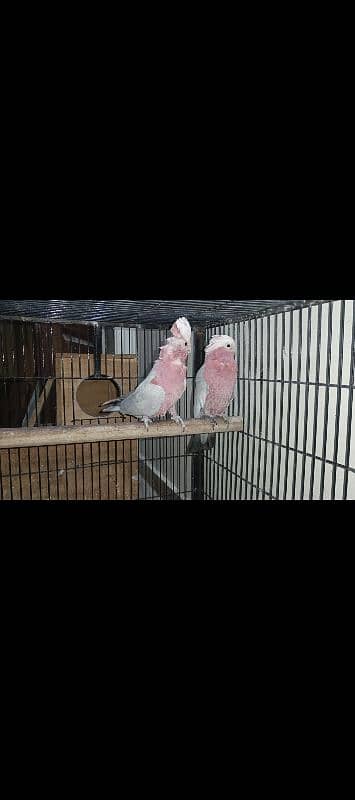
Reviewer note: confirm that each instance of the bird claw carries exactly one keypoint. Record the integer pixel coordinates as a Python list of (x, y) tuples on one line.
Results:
[(215, 420), (178, 420), (212, 420), (147, 421)]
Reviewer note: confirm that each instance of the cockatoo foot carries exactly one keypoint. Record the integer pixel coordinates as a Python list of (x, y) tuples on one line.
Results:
[(175, 417), (212, 420), (217, 418), (147, 421), (178, 420)]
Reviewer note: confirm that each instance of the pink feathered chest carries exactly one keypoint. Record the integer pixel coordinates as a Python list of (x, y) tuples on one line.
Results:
[(220, 374), (171, 376)]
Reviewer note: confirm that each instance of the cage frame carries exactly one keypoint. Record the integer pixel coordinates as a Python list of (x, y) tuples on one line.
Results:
[(251, 447)]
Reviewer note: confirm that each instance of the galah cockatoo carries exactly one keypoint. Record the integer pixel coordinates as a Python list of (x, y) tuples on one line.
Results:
[(165, 384), (215, 385)]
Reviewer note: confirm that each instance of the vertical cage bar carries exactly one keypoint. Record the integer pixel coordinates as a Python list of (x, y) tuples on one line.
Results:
[(248, 418), (222, 459), (305, 429), (179, 469), (350, 409), (116, 477), (123, 470), (4, 372), (261, 398), (326, 402), (129, 389), (48, 480), (316, 401), (39, 474), (29, 472), (99, 455), (252, 482), (1, 483), (197, 459), (297, 402), (10, 475), (338, 401), (36, 340), (22, 328), (268, 358), (73, 414), (57, 471), (159, 457), (108, 464), (208, 336), (273, 445), (172, 451), (238, 435), (282, 389), (20, 473), (243, 434), (92, 471)]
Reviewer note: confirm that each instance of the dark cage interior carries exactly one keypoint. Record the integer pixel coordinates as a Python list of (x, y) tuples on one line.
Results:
[(294, 396)]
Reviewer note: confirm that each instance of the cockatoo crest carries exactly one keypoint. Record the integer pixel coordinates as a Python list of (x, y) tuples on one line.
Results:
[(180, 340), (181, 329)]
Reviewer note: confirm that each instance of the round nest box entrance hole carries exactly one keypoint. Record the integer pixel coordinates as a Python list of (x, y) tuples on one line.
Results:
[(91, 394)]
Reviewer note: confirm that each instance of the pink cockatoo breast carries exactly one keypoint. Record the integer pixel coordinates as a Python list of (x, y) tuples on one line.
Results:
[(170, 374), (220, 374)]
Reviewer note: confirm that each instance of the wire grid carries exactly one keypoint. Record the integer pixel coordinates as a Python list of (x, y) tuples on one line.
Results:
[(295, 393), (161, 467), (144, 313)]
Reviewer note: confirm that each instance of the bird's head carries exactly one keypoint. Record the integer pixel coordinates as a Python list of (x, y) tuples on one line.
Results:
[(181, 329), (178, 346), (221, 342)]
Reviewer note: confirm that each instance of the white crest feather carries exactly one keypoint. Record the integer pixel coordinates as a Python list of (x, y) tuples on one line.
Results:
[(220, 341), (181, 329)]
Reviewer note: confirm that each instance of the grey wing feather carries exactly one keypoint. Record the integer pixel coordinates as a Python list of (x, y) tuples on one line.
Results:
[(145, 400), (198, 442), (201, 391)]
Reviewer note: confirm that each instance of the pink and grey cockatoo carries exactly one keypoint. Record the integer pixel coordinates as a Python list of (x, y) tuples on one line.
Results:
[(215, 385), (165, 384)]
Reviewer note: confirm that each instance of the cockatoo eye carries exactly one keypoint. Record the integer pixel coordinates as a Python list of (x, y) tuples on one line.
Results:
[(228, 345)]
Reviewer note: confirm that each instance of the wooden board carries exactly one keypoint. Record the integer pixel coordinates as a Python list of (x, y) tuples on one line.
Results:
[(71, 371), (111, 431), (93, 471), (105, 471)]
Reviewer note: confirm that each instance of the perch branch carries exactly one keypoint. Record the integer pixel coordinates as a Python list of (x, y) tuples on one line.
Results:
[(48, 435)]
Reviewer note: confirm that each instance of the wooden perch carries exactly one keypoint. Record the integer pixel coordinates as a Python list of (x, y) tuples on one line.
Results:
[(81, 434)]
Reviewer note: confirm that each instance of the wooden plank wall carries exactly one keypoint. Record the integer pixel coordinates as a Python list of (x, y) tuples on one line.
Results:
[(82, 472), (105, 471), (27, 355)]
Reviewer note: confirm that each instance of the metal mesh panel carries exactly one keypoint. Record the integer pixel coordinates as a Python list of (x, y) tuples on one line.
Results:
[(145, 313), (41, 369), (295, 393)]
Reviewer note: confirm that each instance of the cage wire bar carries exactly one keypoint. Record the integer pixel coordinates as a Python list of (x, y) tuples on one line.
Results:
[(295, 392), (144, 313)]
